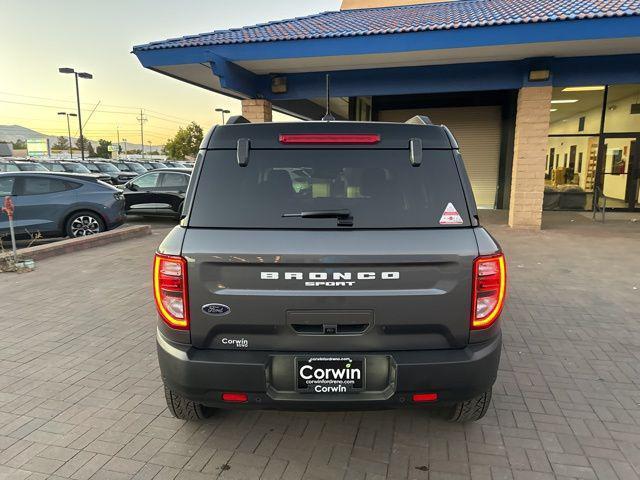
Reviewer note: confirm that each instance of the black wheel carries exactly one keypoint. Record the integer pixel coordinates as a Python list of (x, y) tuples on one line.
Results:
[(471, 410), (81, 224), (185, 409)]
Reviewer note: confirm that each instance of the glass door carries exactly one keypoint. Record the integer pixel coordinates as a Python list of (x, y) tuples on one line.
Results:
[(621, 171)]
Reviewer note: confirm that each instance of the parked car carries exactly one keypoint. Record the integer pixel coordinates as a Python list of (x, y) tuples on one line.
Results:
[(134, 167), (332, 265), (175, 164), (117, 176), (21, 166), (152, 165), (160, 192), (74, 167), (61, 204)]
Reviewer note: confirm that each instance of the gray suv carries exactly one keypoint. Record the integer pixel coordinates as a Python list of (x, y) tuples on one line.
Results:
[(59, 204), (329, 265)]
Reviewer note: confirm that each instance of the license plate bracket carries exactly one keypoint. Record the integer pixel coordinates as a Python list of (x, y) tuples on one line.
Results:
[(330, 374)]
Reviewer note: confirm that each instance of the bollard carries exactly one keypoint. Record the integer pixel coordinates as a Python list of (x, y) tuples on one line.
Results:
[(8, 208)]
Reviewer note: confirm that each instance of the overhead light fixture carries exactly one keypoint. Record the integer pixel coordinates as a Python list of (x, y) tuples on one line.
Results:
[(539, 75), (554, 109), (279, 85), (595, 88), (565, 101)]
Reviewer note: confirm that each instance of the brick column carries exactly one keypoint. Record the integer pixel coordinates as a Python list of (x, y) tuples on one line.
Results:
[(529, 157), (257, 111)]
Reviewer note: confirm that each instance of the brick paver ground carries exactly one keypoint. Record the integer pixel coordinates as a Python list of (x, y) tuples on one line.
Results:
[(80, 395)]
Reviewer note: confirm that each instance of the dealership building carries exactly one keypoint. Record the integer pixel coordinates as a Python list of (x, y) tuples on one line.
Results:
[(543, 96)]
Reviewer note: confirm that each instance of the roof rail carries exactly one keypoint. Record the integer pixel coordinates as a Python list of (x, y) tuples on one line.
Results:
[(419, 120), (235, 119)]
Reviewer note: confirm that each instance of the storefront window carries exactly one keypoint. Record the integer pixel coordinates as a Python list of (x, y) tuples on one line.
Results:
[(570, 172), (576, 110), (581, 161), (623, 109)]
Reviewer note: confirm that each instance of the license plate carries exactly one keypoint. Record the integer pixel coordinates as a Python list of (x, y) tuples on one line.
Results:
[(330, 374)]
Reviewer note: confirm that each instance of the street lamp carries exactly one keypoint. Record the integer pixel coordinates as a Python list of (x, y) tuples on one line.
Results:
[(222, 111), (125, 147), (149, 142), (69, 129), (87, 76)]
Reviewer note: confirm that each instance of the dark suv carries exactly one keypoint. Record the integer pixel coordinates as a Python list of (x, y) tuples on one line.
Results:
[(116, 176), (329, 265)]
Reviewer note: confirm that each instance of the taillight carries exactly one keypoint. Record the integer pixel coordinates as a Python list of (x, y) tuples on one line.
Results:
[(232, 397), (328, 138), (489, 287), (425, 397), (170, 290)]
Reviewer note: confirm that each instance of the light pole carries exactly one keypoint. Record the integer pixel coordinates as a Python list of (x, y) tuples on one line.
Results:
[(69, 129), (222, 111), (149, 142), (87, 76), (125, 147)]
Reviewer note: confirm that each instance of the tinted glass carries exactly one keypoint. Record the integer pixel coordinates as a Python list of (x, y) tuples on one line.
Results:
[(136, 167), (174, 180), (32, 167), (6, 186), (55, 167), (123, 166), (42, 185), (76, 168), (147, 181), (107, 167), (92, 167), (379, 187)]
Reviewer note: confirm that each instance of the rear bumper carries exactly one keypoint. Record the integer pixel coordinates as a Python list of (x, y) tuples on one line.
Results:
[(268, 377)]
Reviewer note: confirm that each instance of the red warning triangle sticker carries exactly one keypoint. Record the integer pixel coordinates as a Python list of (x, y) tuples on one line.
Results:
[(451, 216)]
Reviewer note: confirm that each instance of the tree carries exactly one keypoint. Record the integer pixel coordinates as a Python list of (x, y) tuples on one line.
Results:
[(88, 147), (185, 143), (20, 144), (103, 149), (61, 143)]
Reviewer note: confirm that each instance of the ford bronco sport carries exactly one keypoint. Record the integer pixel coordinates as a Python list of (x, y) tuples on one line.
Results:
[(329, 265)]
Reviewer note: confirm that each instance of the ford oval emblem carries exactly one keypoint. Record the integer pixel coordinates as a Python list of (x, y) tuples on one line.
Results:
[(217, 309)]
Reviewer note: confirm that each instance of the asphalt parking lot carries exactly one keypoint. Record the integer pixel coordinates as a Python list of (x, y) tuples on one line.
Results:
[(81, 397)]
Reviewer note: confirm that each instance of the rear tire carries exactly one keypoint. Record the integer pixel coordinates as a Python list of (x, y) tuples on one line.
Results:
[(84, 223), (185, 409), (471, 410)]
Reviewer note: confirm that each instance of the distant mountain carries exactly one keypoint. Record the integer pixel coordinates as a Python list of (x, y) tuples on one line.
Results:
[(11, 133)]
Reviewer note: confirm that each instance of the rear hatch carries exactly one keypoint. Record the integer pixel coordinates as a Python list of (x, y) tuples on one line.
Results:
[(388, 269)]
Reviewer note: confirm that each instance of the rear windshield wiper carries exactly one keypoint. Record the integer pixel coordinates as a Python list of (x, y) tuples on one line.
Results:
[(344, 216)]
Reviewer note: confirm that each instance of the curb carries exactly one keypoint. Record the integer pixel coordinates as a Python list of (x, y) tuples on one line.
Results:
[(69, 245)]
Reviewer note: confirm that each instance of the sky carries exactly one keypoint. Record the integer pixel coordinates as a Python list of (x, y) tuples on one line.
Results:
[(96, 36)]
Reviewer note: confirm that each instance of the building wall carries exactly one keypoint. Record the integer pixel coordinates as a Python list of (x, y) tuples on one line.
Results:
[(355, 4)]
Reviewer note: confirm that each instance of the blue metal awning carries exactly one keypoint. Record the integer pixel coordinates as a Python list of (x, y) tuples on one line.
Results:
[(451, 46)]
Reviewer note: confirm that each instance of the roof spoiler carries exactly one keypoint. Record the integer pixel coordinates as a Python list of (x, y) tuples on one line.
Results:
[(236, 119), (419, 120)]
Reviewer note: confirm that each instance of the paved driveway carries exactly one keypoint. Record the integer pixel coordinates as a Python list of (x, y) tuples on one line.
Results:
[(80, 395)]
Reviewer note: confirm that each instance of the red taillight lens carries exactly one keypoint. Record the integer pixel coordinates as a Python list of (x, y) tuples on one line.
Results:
[(232, 397), (336, 138), (425, 397), (170, 290), (489, 288)]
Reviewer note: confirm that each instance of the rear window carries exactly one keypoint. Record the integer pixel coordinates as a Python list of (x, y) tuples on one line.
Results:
[(379, 188)]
